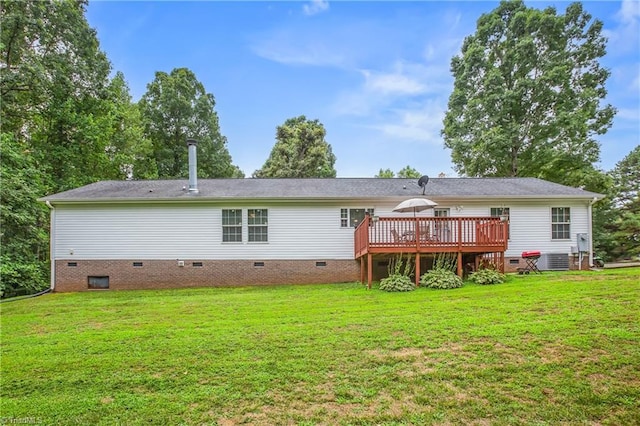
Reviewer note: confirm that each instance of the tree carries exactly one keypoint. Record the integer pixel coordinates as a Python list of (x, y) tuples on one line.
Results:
[(127, 148), (626, 178), (406, 172), (409, 172), (527, 95), (300, 151), (23, 220), (53, 87), (64, 124), (176, 107), (385, 174), (625, 229)]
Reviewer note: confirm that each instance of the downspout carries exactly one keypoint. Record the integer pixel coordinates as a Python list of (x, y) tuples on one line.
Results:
[(52, 244), (590, 225)]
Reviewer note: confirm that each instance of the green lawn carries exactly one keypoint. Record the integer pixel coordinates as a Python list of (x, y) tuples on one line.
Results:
[(561, 348)]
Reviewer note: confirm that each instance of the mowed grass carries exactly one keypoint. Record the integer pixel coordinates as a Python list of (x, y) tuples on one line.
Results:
[(557, 348)]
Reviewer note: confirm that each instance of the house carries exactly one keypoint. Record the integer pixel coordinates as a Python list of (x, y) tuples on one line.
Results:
[(226, 232)]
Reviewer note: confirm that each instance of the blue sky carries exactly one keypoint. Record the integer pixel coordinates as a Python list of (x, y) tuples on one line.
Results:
[(375, 74)]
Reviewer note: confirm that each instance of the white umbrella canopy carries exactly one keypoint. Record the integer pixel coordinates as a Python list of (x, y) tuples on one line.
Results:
[(414, 205)]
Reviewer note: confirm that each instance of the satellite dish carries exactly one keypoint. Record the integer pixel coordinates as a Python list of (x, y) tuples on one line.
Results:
[(422, 182)]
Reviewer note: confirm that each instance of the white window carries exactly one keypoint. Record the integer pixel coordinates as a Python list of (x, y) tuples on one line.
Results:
[(232, 226), (440, 212), (500, 211), (257, 221), (503, 213), (353, 217), (560, 223)]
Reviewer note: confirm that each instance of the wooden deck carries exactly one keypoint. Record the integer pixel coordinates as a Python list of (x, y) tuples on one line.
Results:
[(389, 235)]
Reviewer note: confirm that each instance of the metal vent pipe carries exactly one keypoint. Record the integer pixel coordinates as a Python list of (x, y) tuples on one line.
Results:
[(193, 166)]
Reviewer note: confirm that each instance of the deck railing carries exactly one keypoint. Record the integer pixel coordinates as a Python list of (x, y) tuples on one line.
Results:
[(430, 234)]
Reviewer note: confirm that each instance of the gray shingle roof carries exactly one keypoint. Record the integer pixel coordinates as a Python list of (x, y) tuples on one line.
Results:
[(337, 188)]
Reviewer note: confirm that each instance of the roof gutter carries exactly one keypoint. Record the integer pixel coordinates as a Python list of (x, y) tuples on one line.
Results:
[(52, 239), (394, 198)]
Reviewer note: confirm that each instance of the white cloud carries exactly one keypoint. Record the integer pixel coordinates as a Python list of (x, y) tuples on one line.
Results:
[(624, 37), (420, 125), (284, 47), (315, 7), (394, 83), (629, 12), (630, 114)]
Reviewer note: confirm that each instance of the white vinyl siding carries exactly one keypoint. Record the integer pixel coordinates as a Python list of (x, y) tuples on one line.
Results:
[(195, 232), (530, 229), (295, 231)]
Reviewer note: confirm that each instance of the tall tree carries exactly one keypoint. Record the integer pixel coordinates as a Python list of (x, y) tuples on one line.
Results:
[(385, 174), (53, 87), (626, 202), (408, 172), (127, 148), (300, 151), (23, 220), (626, 178), (405, 172), (527, 95), (63, 122), (175, 107)]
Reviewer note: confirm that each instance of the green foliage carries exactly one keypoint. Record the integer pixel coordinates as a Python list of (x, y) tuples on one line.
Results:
[(440, 279), (399, 271), (129, 150), (399, 265), (397, 282), (527, 95), (616, 219), (486, 276), (442, 275), (159, 356), (385, 174), (627, 229), (19, 278), (64, 124), (176, 107), (406, 172), (445, 261), (409, 172), (300, 151), (626, 178), (23, 221)]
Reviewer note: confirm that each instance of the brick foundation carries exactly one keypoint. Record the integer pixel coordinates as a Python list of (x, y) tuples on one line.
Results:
[(155, 274)]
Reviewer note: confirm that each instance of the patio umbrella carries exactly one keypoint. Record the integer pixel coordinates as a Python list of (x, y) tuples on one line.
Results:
[(414, 205)]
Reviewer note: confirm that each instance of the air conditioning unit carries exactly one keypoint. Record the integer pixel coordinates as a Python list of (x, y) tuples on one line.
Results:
[(554, 262)]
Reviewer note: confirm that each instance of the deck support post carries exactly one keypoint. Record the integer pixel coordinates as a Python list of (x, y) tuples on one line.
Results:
[(418, 269), (369, 270), (361, 269), (460, 264)]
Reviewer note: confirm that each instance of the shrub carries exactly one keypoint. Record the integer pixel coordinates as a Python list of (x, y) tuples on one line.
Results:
[(487, 276), (397, 282), (441, 279), (399, 271), (19, 278)]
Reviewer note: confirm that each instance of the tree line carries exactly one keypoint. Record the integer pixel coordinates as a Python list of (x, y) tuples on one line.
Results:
[(526, 102)]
